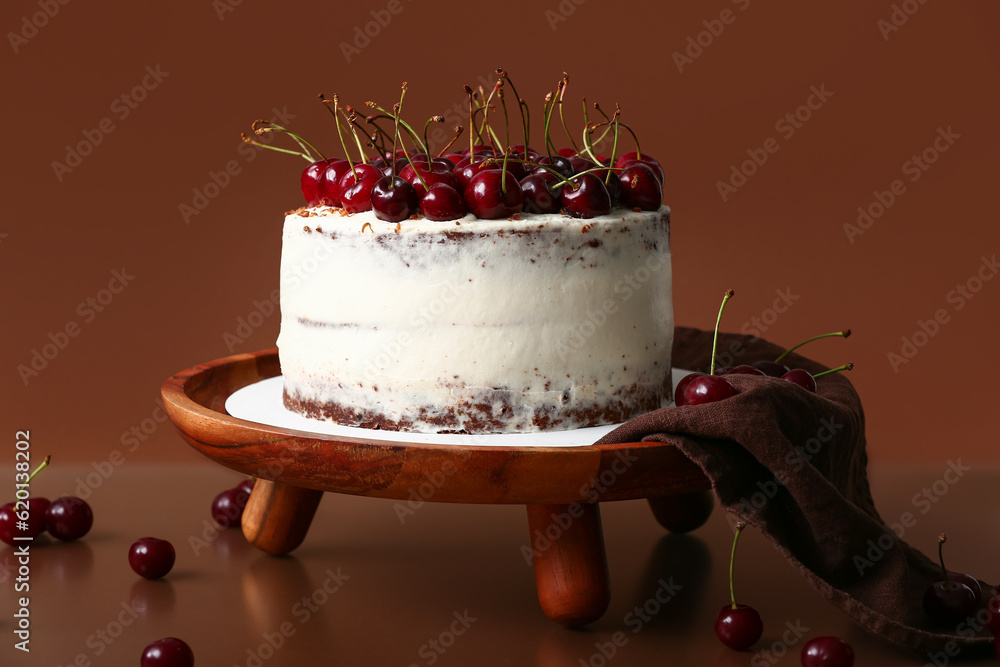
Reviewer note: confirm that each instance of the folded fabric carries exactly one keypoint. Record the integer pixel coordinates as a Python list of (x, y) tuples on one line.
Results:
[(793, 464)]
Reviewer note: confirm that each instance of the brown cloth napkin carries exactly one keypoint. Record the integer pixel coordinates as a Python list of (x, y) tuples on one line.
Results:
[(793, 464)]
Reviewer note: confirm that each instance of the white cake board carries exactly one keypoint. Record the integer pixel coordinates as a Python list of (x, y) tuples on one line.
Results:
[(261, 403)]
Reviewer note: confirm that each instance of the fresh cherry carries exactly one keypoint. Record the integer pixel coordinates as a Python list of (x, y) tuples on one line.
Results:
[(393, 199), (738, 626), (771, 368), (802, 378), (168, 652), (679, 397), (538, 194), (431, 174), (827, 652), (328, 188), (442, 202), (26, 522), (68, 518), (151, 558), (556, 163), (356, 187), (489, 198), (698, 388), (228, 506), (586, 197), (631, 158), (993, 622), (947, 602), (640, 189), (311, 177), (581, 163), (246, 486), (467, 169)]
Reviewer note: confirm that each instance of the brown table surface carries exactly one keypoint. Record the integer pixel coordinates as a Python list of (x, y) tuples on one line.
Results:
[(400, 587)]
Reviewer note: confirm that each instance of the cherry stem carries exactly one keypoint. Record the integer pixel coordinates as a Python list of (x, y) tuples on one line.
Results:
[(42, 466), (562, 93), (715, 338), (638, 151), (406, 126), (521, 107), (836, 334), (268, 126), (732, 559), (486, 114), (548, 107), (432, 119), (254, 142), (340, 133), (942, 538), (472, 124), (845, 367), (458, 133)]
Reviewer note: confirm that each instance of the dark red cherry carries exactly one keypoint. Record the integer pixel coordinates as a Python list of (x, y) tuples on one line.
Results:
[(228, 506), (827, 652), (394, 199), (431, 174), (771, 368), (557, 163), (519, 169), (947, 603), (707, 389), (640, 189), (454, 158), (311, 177), (993, 622), (246, 486), (467, 169), (630, 158), (742, 369), (328, 188), (167, 652), (538, 194), (679, 397), (566, 152), (581, 163), (442, 202), (586, 197), (68, 518), (356, 187), (968, 580), (151, 558), (478, 149), (489, 196), (802, 378), (613, 183), (738, 628)]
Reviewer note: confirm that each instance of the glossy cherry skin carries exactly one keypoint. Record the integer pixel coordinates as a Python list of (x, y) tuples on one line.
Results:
[(442, 202), (328, 188), (454, 158), (8, 524), (35, 519), (356, 188), (581, 163), (566, 152), (585, 197), (968, 580), (311, 177), (707, 389), (742, 369), (394, 199), (228, 506), (679, 397), (771, 368), (68, 518), (467, 169), (640, 189), (738, 628), (478, 149), (168, 652), (431, 174), (947, 603), (246, 486), (993, 622), (802, 378), (556, 163), (630, 158), (613, 183), (827, 652), (538, 194), (151, 558), (488, 199)]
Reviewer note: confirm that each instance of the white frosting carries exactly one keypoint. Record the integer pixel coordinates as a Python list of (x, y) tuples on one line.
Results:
[(401, 322)]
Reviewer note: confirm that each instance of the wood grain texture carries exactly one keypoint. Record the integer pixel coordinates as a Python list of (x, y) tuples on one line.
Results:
[(571, 567), (277, 517), (195, 401)]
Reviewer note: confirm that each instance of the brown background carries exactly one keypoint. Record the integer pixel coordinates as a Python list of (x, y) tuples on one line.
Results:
[(782, 230)]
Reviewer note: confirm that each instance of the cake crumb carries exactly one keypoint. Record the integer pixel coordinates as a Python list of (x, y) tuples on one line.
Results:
[(319, 230), (397, 228), (585, 228), (306, 229), (369, 226)]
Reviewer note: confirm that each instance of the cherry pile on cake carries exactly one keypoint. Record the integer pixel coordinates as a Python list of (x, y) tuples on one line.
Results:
[(488, 289)]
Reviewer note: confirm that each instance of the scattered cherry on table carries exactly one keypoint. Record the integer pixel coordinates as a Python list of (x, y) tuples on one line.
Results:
[(827, 652), (738, 626), (167, 652), (151, 557)]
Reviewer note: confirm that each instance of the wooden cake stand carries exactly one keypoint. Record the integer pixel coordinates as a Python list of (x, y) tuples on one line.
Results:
[(294, 468)]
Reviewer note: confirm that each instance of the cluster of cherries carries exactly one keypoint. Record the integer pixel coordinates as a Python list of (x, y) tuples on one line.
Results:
[(739, 627), (489, 178), (700, 388), (153, 558), (66, 518)]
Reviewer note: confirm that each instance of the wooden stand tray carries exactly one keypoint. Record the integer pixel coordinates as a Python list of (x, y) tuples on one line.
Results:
[(294, 469)]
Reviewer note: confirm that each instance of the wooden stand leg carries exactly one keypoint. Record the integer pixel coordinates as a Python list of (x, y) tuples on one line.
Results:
[(685, 512), (277, 517), (571, 568)]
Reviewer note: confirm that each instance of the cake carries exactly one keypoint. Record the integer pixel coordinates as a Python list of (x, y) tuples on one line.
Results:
[(506, 292)]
